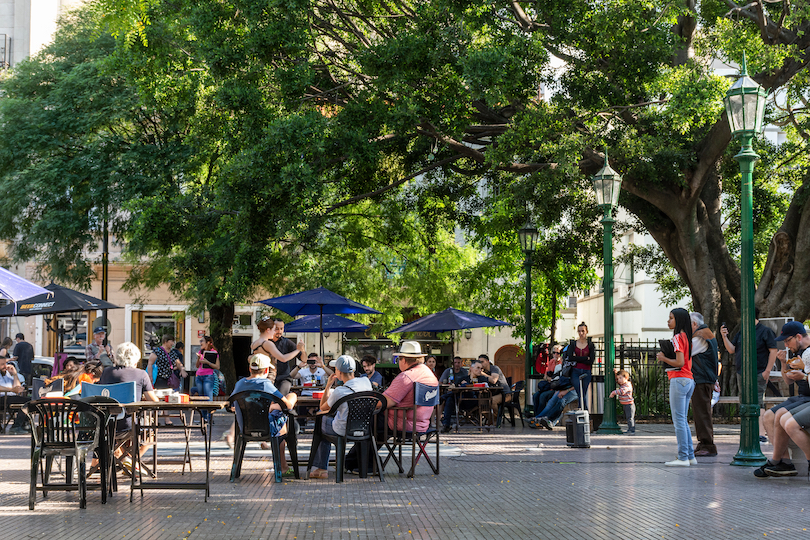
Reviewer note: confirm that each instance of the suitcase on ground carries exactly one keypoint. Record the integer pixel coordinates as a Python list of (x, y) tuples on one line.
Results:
[(578, 425)]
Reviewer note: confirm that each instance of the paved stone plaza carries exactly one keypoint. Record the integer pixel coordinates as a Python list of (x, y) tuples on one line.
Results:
[(510, 483)]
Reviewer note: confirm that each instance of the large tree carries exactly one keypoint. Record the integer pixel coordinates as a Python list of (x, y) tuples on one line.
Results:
[(447, 91)]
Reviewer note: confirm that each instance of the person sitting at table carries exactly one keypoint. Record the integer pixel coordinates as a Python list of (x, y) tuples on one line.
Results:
[(336, 425), (496, 379), (455, 373), (370, 371), (260, 368), (74, 377), (126, 358), (12, 390), (476, 375), (399, 393), (70, 363), (312, 372)]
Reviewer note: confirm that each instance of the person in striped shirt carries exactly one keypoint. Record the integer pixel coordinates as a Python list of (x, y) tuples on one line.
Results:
[(624, 391)]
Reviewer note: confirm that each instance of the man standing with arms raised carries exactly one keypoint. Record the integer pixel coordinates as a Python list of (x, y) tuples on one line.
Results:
[(284, 346)]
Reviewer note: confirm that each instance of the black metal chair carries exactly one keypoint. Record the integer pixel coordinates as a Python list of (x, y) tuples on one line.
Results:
[(511, 402), (63, 427), (112, 411), (254, 407), (363, 409), (124, 393), (424, 396)]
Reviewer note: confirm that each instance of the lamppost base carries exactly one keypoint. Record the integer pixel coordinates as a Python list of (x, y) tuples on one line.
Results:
[(749, 459), (610, 428)]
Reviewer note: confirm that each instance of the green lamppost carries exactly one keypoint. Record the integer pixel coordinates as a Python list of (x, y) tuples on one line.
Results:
[(745, 109), (607, 184), (528, 242)]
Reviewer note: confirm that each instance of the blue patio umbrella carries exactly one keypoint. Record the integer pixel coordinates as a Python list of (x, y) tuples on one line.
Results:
[(320, 301), (331, 323), (448, 320), (16, 288)]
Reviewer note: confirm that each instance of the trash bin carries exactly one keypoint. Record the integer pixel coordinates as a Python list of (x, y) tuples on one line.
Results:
[(578, 429), (596, 393)]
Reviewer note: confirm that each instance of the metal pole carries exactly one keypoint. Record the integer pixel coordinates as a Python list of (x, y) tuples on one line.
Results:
[(527, 367), (105, 277), (609, 424), (749, 453)]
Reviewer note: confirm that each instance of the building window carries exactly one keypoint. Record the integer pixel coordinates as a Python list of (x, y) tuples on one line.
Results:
[(155, 326), (572, 302)]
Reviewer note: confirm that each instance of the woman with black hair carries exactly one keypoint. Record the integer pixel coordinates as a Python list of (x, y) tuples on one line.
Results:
[(578, 360), (681, 384)]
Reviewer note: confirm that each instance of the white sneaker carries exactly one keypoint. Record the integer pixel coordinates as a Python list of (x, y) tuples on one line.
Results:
[(693, 461), (678, 463)]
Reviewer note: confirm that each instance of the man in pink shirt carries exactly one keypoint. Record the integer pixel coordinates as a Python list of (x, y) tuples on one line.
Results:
[(400, 392), (410, 359)]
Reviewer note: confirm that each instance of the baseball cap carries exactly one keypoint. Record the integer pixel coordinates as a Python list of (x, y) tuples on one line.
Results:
[(344, 364), (99, 329), (259, 361), (790, 329)]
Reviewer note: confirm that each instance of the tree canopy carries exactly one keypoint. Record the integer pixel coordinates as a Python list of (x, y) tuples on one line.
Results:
[(280, 145)]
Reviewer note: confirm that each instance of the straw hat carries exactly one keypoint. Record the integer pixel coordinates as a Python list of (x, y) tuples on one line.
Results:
[(411, 349)]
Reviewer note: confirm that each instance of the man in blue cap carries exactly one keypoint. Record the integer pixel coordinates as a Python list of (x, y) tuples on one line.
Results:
[(793, 371)]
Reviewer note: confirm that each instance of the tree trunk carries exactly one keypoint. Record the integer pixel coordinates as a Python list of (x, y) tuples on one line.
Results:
[(782, 289), (691, 236), (221, 332)]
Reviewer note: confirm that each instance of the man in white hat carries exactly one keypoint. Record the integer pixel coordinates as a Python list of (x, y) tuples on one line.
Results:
[(399, 393), (345, 367)]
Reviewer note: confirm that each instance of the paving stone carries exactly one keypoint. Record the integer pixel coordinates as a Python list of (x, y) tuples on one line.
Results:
[(509, 483)]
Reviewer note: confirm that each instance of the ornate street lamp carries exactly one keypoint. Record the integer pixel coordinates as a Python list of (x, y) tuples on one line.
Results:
[(745, 109), (607, 184), (528, 242)]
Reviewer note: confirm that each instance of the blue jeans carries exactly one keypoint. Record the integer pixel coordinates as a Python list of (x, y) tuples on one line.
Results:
[(321, 460), (205, 385), (556, 404), (680, 393), (586, 382), (540, 400)]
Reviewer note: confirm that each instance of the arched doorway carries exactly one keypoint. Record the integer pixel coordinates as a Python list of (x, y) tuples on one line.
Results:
[(511, 362)]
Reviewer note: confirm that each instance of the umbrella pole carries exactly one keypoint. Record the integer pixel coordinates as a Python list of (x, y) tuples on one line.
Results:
[(321, 328)]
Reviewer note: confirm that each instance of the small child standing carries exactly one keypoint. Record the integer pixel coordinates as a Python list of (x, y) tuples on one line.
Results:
[(625, 394)]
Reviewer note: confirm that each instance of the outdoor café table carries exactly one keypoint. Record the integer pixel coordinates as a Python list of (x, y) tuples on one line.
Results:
[(138, 409), (481, 394)]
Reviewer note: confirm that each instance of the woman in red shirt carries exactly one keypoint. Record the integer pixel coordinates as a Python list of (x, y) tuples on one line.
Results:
[(681, 384), (580, 356)]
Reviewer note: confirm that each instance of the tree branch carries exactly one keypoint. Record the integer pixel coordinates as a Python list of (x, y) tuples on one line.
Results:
[(393, 185)]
